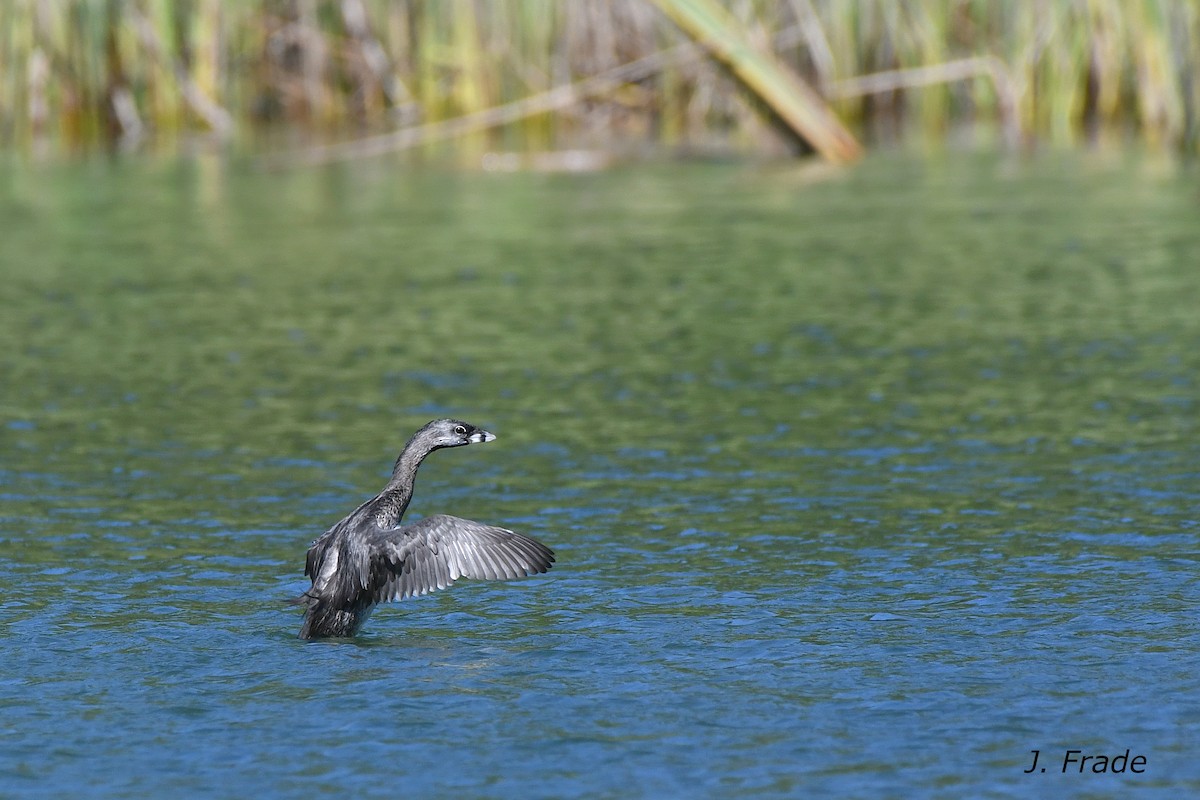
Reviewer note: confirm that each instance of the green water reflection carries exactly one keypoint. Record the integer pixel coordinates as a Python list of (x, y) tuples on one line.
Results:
[(230, 316)]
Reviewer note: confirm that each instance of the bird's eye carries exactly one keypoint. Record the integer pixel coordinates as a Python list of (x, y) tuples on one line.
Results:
[(460, 430)]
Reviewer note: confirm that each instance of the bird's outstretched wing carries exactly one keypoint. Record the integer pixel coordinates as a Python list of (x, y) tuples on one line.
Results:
[(432, 553)]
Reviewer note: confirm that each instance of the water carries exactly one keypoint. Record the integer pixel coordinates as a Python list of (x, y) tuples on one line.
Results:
[(862, 484)]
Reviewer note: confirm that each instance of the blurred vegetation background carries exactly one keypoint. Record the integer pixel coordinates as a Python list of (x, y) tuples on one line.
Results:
[(551, 74)]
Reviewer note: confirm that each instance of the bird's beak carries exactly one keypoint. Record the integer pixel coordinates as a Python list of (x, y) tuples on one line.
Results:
[(481, 436)]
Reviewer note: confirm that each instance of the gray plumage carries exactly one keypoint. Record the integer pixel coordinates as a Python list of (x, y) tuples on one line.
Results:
[(369, 557)]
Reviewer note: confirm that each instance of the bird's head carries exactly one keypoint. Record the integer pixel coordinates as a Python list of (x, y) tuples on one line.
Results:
[(452, 433)]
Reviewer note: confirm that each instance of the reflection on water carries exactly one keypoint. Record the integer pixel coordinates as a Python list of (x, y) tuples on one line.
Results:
[(860, 487)]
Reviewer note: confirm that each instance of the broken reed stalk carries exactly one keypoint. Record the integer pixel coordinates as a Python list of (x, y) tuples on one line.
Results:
[(555, 99), (776, 84), (951, 71)]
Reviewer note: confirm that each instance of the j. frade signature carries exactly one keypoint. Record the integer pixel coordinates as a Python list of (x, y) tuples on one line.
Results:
[(1079, 761)]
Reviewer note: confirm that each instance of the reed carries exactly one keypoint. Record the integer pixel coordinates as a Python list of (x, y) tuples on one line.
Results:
[(137, 72)]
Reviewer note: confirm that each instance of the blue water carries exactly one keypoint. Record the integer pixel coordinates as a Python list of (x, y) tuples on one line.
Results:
[(864, 488)]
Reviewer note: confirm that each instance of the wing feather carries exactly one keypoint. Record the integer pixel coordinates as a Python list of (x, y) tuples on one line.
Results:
[(450, 556), (420, 574), (436, 551), (512, 567), (487, 565)]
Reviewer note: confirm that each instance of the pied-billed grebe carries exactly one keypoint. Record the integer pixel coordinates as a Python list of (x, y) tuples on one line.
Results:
[(370, 558)]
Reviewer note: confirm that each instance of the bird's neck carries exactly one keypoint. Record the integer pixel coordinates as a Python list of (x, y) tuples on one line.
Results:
[(395, 497), (388, 508)]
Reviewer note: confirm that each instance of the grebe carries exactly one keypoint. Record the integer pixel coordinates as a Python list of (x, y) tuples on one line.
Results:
[(370, 558)]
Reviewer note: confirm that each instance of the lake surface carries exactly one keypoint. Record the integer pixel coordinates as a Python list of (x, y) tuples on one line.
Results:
[(862, 484)]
